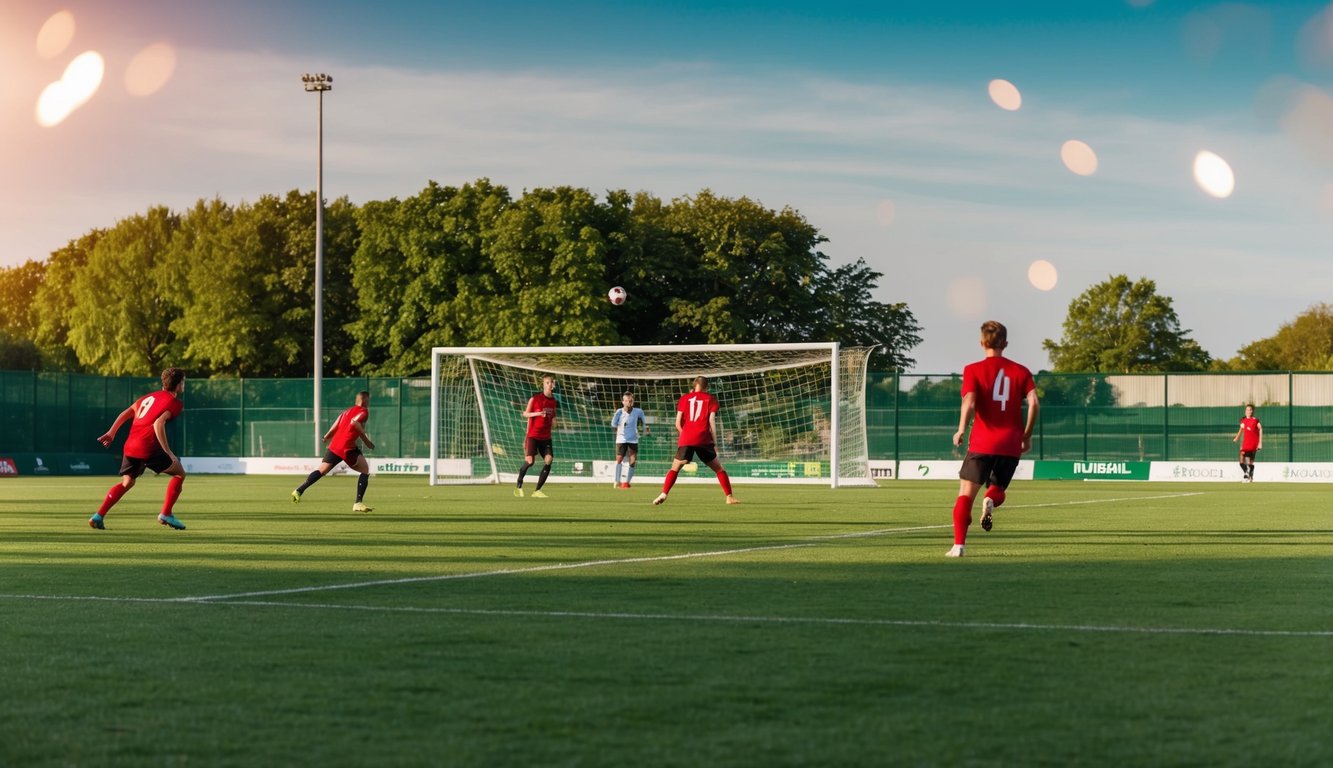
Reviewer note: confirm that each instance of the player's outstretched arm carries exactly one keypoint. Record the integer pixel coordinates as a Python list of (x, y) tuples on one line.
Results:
[(110, 435), (1034, 407)]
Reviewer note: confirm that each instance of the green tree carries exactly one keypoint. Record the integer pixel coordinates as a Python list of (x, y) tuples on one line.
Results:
[(422, 276), (1304, 344), (550, 263), (248, 303), (845, 311), (747, 272), (54, 302), (1119, 326), (126, 298)]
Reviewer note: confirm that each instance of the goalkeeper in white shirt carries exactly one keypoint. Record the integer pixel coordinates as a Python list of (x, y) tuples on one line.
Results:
[(625, 421)]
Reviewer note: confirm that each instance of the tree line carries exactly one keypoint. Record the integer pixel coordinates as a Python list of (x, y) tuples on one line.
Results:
[(228, 290)]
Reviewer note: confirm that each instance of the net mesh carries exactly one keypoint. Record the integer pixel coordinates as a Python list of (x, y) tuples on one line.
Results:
[(776, 420)]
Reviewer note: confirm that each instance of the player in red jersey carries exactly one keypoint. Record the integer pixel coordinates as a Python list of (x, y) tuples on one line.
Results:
[(696, 421), (342, 438), (993, 391), (1253, 432), (147, 447), (540, 413)]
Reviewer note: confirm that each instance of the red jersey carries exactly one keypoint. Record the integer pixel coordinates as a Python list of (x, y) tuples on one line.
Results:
[(1000, 387), (539, 427), (1250, 431), (142, 442), (694, 427), (344, 429)]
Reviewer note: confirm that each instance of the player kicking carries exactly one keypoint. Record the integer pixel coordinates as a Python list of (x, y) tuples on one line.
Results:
[(147, 448), (696, 421), (626, 421), (1253, 433), (342, 438), (993, 389), (540, 413)]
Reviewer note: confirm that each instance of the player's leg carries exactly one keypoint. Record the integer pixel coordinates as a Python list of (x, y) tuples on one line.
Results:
[(529, 458), (620, 458), (330, 461), (723, 479), (548, 455), (683, 455), (163, 464), (632, 454), (1001, 475), (971, 476), (362, 466), (130, 469), (1244, 471)]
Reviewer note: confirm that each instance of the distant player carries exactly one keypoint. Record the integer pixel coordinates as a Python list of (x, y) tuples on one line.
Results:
[(540, 413), (147, 447), (342, 438), (626, 421), (994, 389), (696, 421), (1253, 433)]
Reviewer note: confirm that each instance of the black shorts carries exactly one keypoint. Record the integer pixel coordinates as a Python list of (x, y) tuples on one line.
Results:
[(1248, 455), (627, 449), (988, 469), (351, 458), (534, 446), (704, 453), (134, 467)]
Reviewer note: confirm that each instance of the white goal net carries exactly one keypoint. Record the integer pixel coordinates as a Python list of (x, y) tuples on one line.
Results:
[(789, 412)]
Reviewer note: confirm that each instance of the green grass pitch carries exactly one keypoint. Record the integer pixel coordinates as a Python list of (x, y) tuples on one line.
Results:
[(1098, 624)]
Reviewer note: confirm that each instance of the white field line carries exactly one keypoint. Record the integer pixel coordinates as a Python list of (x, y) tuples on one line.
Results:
[(810, 542), (725, 618)]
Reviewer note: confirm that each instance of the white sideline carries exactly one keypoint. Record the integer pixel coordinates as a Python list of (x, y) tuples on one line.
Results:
[(722, 618)]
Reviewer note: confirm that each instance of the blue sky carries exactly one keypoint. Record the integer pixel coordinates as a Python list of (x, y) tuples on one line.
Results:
[(872, 119)]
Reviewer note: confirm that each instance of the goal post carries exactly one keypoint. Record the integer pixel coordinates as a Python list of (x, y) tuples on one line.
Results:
[(790, 413)]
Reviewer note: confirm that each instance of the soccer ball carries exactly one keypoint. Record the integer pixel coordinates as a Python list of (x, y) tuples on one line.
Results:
[(617, 295)]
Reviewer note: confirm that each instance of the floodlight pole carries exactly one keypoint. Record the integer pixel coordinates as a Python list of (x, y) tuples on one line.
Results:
[(318, 84)]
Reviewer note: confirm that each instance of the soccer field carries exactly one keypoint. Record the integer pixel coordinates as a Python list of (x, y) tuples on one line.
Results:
[(1098, 624)]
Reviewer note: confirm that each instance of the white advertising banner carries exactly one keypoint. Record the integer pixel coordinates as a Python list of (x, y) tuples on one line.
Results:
[(1229, 472), (265, 466), (909, 469)]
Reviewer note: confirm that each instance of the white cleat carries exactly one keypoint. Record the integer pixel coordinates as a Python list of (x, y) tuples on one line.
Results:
[(955, 551), (987, 507), (661, 497)]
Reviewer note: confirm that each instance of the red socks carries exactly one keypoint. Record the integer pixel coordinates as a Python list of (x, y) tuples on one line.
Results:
[(173, 493), (112, 496), (725, 482), (962, 518), (670, 481), (996, 494)]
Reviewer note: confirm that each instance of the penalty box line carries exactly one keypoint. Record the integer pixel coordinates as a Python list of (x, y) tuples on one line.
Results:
[(811, 542)]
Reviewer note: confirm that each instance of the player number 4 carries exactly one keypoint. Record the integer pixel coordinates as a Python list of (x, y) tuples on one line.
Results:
[(1000, 393)]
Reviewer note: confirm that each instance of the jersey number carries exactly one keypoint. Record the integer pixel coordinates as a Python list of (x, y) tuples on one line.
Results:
[(696, 409), (1000, 393), (145, 407)]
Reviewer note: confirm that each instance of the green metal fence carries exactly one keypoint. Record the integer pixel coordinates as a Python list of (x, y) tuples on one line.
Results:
[(1179, 417)]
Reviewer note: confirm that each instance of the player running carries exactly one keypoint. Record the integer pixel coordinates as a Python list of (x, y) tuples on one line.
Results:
[(696, 421), (147, 448), (342, 438), (626, 421), (993, 389)]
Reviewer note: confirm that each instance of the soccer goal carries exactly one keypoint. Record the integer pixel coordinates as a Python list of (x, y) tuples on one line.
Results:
[(790, 413)]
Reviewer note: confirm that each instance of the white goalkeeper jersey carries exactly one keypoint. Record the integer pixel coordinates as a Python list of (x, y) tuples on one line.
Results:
[(627, 424)]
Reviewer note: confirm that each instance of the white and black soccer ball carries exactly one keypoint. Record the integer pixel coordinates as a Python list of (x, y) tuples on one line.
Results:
[(617, 295)]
